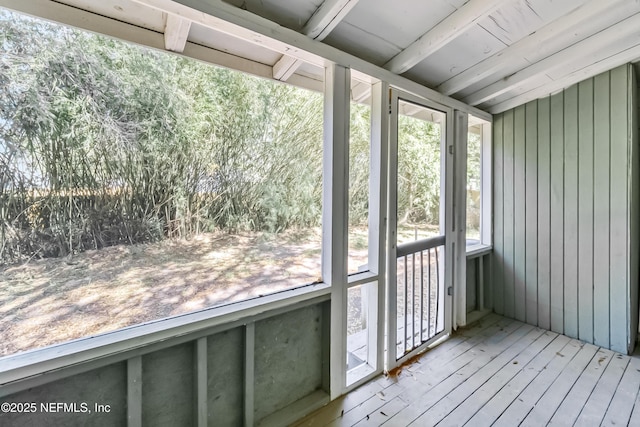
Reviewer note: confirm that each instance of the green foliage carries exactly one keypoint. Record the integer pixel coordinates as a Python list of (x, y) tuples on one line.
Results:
[(359, 169), (418, 171), (473, 184)]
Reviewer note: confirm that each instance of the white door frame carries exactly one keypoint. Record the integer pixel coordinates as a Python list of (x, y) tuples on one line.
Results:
[(447, 159)]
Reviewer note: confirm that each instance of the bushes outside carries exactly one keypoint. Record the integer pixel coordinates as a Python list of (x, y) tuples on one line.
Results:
[(103, 143)]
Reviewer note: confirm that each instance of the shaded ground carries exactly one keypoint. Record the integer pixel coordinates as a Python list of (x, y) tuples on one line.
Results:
[(54, 300)]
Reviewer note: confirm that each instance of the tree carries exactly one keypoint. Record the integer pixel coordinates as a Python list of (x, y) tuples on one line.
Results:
[(419, 171), (104, 142)]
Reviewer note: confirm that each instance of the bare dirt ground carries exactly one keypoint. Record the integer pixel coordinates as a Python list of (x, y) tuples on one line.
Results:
[(53, 300), (49, 301)]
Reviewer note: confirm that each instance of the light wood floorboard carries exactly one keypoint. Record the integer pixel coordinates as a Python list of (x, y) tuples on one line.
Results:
[(498, 372)]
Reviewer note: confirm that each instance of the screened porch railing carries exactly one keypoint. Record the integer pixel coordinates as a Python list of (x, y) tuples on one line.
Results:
[(420, 293)]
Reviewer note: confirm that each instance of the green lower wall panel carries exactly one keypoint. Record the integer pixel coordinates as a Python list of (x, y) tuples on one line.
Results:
[(168, 387), (225, 384), (105, 386), (288, 363)]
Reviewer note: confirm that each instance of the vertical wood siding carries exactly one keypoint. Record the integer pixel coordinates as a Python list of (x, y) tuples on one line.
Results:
[(498, 215), (508, 214), (634, 243), (566, 211), (557, 213), (544, 213), (601, 220), (585, 209), (519, 169), (531, 220)]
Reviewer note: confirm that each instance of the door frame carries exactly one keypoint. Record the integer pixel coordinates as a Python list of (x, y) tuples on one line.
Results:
[(447, 227)]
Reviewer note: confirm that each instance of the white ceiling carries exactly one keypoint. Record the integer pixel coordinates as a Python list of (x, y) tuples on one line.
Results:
[(493, 54)]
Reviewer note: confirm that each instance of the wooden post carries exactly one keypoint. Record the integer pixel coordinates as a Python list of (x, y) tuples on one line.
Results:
[(335, 213)]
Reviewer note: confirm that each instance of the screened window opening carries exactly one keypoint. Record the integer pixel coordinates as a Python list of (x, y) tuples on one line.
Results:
[(420, 168), (478, 226), (138, 185), (359, 174)]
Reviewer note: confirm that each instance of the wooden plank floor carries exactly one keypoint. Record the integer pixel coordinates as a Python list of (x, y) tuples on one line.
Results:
[(498, 372)]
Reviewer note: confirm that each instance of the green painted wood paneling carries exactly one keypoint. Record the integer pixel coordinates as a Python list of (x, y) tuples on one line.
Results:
[(567, 211), (634, 227), (619, 209), (225, 371), (508, 157), (519, 207), (497, 259), (531, 220), (585, 209), (557, 213), (167, 387), (104, 386), (570, 276), (544, 213), (288, 359), (472, 284), (601, 219)]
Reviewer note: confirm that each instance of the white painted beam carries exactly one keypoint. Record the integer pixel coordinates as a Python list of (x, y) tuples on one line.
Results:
[(443, 33), (223, 17), (587, 72), (360, 92), (598, 47), (228, 19), (176, 32), (564, 31), (321, 23), (327, 17), (285, 67)]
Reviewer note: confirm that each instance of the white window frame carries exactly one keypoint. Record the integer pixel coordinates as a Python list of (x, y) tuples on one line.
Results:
[(486, 195), (336, 226)]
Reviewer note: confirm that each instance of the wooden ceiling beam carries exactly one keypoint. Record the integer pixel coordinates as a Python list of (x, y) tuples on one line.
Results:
[(616, 38), (228, 19), (447, 30), (176, 32), (223, 17), (321, 23), (327, 17), (285, 67), (360, 92), (582, 22)]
